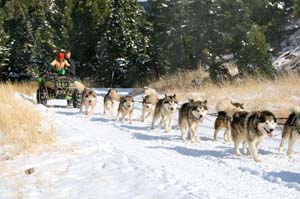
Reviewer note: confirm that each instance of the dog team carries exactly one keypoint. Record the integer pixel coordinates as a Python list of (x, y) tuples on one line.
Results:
[(240, 126)]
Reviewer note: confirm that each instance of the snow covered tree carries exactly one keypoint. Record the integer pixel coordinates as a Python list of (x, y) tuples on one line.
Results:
[(121, 51), (43, 45), (20, 41), (61, 21)]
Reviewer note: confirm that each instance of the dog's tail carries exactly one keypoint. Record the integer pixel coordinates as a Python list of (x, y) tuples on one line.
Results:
[(152, 93), (296, 110), (224, 105), (115, 95), (80, 86)]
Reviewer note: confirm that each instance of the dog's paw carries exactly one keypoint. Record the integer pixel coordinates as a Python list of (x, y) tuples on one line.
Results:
[(168, 130), (257, 159)]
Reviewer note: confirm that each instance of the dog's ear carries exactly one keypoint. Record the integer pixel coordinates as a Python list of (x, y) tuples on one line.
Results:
[(166, 95), (191, 100), (174, 95), (205, 102), (259, 114)]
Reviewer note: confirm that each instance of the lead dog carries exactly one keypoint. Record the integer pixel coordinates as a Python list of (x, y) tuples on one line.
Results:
[(191, 115), (251, 129), (291, 131), (88, 100), (226, 110), (108, 101), (126, 108), (165, 109)]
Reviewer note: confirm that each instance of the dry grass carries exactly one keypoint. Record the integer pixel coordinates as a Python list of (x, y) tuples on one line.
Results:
[(20, 122), (279, 95), (182, 80)]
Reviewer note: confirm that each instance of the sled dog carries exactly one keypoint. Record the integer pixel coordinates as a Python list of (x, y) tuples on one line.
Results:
[(165, 109), (191, 115), (251, 129), (108, 101), (147, 107), (226, 110), (148, 104), (291, 131), (126, 108), (88, 100)]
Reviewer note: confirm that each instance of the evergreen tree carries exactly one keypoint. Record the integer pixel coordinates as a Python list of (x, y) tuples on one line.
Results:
[(121, 51), (88, 17), (4, 50), (61, 21), (43, 46), (254, 57), (19, 28)]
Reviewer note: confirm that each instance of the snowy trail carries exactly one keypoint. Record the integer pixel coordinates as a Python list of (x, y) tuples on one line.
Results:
[(98, 158)]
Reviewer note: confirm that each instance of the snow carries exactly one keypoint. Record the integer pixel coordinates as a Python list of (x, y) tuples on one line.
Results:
[(164, 5), (95, 157)]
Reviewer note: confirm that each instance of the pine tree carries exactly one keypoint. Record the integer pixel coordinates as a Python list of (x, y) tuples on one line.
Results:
[(61, 21), (4, 50), (254, 57), (20, 41), (121, 51), (43, 46), (87, 16)]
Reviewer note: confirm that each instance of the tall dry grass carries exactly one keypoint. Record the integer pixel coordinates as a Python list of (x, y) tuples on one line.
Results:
[(279, 95), (181, 80), (20, 123)]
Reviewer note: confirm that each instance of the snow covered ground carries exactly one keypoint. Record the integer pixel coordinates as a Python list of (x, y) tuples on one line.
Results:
[(95, 157)]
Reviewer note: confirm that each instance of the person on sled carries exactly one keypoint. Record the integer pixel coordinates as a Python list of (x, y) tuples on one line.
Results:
[(60, 65)]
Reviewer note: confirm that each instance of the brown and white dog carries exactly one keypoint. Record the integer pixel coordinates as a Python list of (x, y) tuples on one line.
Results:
[(148, 104), (126, 106), (226, 109), (108, 101), (88, 100)]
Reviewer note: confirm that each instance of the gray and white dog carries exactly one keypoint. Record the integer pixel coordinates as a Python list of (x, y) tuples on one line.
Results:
[(165, 109), (291, 131), (191, 115), (251, 129)]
